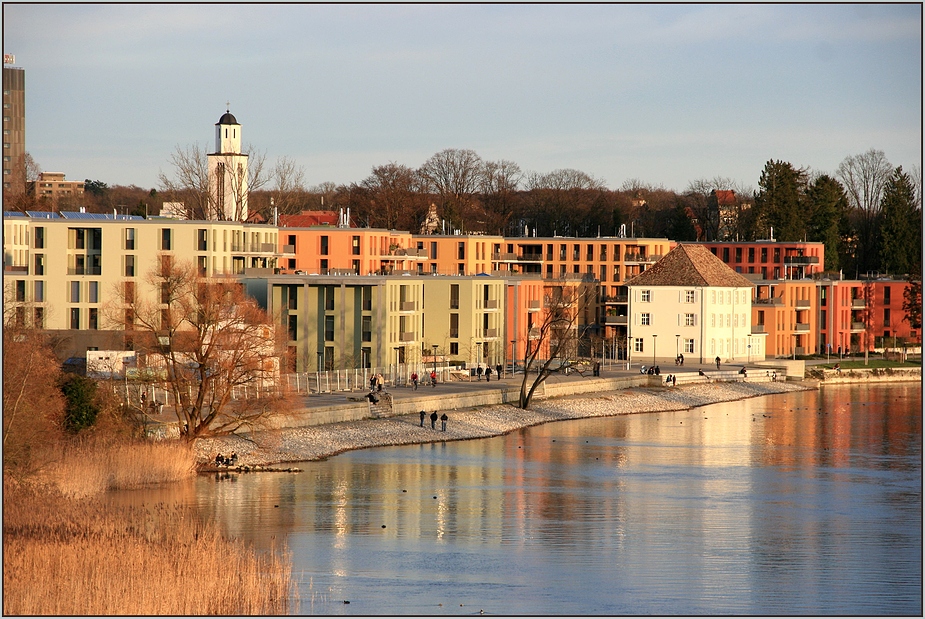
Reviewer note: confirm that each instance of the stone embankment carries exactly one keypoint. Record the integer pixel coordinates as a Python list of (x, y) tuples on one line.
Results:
[(318, 442)]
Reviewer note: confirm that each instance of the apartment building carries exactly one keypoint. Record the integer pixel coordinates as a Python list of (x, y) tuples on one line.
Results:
[(787, 312), (64, 272), (690, 303), (14, 125), (771, 259), (52, 186)]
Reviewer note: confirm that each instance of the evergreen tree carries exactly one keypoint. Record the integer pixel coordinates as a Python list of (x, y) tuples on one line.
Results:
[(780, 201), (827, 208), (900, 226)]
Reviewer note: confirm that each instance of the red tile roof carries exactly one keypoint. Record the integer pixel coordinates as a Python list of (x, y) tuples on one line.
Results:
[(690, 265), (309, 218), (725, 197)]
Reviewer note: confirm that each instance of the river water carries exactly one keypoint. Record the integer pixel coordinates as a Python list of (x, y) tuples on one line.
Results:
[(806, 503)]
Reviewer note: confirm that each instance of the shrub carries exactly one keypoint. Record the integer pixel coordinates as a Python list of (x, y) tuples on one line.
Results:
[(81, 407)]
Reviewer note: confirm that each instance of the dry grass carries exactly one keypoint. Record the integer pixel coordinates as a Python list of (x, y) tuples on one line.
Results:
[(84, 557), (86, 468)]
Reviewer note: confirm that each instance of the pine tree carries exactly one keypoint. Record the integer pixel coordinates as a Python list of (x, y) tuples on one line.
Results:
[(900, 220), (780, 200), (827, 210)]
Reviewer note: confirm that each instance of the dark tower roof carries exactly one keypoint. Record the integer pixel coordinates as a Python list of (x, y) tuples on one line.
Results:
[(227, 119)]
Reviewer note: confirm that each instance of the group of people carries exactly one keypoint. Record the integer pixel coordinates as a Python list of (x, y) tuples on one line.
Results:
[(671, 379), (679, 360), (375, 382), (487, 371), (415, 379), (223, 460), (433, 420), (653, 370)]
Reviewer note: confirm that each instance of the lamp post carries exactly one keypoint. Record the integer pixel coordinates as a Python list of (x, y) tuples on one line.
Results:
[(434, 346), (654, 335), (513, 356), (395, 376), (677, 343), (318, 373)]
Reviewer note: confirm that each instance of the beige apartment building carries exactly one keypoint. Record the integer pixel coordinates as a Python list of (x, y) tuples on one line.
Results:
[(65, 272)]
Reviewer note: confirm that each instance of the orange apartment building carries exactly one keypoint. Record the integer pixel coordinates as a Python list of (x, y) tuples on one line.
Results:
[(771, 259), (787, 310)]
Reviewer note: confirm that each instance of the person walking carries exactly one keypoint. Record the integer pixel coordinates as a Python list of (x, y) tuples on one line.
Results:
[(414, 380), (478, 371), (379, 382), (433, 378), (717, 362), (682, 358), (433, 420), (443, 419), (488, 374), (423, 415), (372, 382)]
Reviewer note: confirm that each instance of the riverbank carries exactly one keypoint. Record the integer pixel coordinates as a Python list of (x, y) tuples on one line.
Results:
[(319, 442)]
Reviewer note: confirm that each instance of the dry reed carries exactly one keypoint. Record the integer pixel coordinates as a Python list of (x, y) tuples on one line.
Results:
[(85, 557)]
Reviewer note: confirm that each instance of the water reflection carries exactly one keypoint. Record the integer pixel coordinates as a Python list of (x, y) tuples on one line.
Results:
[(804, 503)]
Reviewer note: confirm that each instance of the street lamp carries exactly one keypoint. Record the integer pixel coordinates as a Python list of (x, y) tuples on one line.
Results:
[(513, 356), (677, 343), (395, 377), (318, 373), (654, 335), (434, 346)]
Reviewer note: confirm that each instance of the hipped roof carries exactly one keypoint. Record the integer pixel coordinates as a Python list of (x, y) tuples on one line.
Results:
[(690, 265)]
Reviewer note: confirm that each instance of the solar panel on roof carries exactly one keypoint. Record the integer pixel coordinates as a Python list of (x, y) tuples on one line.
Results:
[(13, 214), (42, 214)]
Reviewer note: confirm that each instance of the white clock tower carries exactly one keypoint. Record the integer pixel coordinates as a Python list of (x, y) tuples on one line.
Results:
[(228, 172)]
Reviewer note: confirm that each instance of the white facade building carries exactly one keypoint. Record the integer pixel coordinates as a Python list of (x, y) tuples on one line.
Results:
[(691, 303)]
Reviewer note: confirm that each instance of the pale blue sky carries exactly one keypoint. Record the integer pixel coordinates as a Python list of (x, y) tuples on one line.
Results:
[(662, 93)]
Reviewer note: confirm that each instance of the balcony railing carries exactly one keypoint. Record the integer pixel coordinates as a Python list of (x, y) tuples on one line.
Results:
[(16, 269), (857, 326), (858, 303), (802, 326), (491, 333), (530, 258), (801, 259), (504, 257), (406, 306), (768, 301), (759, 329), (533, 333), (534, 306), (620, 298), (615, 320), (288, 249), (802, 304), (407, 336), (491, 304)]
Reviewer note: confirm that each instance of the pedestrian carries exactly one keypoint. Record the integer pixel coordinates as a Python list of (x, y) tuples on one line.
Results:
[(488, 374), (433, 420), (433, 378), (379, 381), (414, 380), (717, 362), (372, 382), (478, 371), (498, 369), (658, 371), (682, 358), (674, 380), (423, 415), (668, 379), (443, 419)]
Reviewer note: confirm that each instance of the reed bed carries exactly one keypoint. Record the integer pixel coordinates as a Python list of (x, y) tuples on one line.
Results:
[(65, 556), (87, 468)]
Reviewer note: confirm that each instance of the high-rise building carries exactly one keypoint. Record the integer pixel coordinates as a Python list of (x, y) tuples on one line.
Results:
[(14, 125)]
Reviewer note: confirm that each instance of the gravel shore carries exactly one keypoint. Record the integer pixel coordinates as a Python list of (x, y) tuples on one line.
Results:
[(318, 442)]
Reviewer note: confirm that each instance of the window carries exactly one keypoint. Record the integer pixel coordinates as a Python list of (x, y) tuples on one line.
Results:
[(461, 251), (726, 254), (454, 325), (39, 289), (39, 265), (356, 267), (40, 238), (689, 320), (367, 298), (454, 296), (329, 328), (324, 266), (324, 246), (130, 266), (738, 254), (576, 252), (39, 318), (751, 255), (355, 249), (75, 318), (75, 292), (93, 321), (638, 345), (128, 292), (166, 238), (603, 253), (329, 299), (454, 348), (645, 319), (21, 291), (293, 327), (688, 346), (202, 240), (202, 265), (433, 250), (688, 296), (367, 329), (645, 296), (886, 317), (93, 292), (590, 252), (886, 295)]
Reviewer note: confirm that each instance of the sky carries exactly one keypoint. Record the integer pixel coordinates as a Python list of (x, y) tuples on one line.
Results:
[(656, 93)]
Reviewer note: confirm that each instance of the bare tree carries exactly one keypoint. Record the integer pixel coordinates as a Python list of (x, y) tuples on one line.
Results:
[(210, 341), (395, 197), (454, 175), (552, 345), (864, 177)]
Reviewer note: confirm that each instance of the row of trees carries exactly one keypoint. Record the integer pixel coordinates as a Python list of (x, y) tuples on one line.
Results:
[(868, 212)]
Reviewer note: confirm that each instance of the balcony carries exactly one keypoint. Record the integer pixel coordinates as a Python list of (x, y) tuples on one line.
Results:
[(534, 333), (858, 303), (504, 257), (406, 306), (802, 327), (491, 333), (530, 258), (534, 306), (289, 249), (759, 329), (17, 269), (857, 326), (768, 301), (801, 260), (491, 304), (615, 320), (620, 298), (407, 336), (802, 304)]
